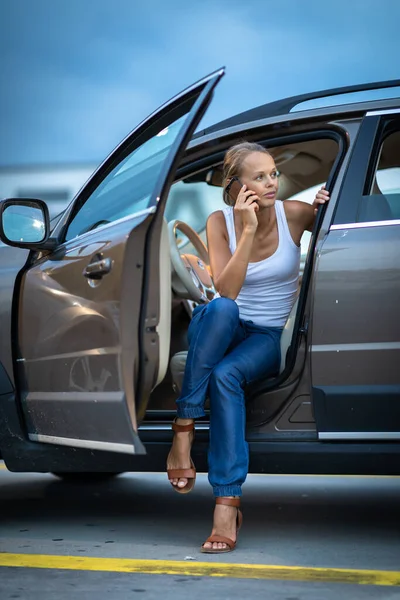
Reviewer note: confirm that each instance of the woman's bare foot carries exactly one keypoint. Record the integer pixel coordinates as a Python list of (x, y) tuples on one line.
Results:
[(179, 455), (225, 518)]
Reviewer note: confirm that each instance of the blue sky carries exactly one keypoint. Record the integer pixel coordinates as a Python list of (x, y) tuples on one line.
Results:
[(77, 75)]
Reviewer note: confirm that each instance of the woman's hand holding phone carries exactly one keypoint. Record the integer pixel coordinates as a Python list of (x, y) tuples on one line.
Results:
[(247, 207)]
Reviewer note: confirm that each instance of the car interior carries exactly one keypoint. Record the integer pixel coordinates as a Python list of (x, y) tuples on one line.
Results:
[(304, 167)]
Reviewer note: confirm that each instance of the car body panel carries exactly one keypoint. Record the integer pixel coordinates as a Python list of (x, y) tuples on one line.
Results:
[(11, 262)]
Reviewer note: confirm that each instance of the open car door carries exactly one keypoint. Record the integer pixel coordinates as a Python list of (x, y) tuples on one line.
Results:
[(93, 314)]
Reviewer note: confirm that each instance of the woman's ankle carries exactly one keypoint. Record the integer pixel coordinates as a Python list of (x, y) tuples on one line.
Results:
[(180, 421)]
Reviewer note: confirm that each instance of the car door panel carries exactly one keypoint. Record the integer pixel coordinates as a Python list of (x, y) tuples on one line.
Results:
[(356, 332), (355, 329), (76, 361), (352, 343), (89, 312)]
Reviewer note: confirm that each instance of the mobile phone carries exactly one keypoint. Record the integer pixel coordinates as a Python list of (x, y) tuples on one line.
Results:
[(233, 188)]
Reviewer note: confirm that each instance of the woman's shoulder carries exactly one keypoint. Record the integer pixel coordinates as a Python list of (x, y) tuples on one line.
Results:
[(220, 215), (294, 208), (217, 221), (216, 215)]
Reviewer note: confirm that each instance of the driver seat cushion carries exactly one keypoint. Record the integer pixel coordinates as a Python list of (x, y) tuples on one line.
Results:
[(178, 361)]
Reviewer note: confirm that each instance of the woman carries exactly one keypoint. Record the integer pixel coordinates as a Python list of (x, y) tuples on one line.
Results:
[(254, 249)]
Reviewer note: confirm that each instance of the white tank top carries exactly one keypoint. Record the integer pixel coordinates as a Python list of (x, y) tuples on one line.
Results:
[(270, 286)]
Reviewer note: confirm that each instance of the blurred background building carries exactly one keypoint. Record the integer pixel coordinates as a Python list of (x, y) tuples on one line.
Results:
[(56, 184)]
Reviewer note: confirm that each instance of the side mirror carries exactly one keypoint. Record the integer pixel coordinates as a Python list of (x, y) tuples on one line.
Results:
[(24, 223)]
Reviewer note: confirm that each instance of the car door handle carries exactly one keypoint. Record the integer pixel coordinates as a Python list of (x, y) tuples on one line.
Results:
[(96, 270)]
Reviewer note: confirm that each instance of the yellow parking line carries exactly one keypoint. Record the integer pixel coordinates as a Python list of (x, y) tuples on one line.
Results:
[(3, 466), (202, 569)]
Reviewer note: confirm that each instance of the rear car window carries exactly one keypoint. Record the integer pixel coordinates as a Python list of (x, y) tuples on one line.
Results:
[(383, 201)]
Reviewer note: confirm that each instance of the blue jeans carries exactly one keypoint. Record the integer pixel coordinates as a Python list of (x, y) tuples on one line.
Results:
[(225, 354)]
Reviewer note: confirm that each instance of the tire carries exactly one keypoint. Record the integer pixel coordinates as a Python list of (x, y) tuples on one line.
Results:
[(77, 477)]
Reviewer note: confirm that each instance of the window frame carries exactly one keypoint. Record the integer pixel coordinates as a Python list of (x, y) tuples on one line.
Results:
[(375, 127), (387, 128)]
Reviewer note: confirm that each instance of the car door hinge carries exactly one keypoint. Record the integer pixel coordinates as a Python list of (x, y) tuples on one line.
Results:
[(304, 329)]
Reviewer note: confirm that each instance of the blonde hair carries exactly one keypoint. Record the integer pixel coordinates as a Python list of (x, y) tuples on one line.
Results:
[(233, 163)]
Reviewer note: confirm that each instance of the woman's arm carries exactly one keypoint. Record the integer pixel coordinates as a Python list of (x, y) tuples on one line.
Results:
[(301, 215), (228, 270)]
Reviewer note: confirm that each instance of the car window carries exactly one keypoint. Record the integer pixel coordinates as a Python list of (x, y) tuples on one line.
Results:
[(388, 180), (192, 203), (383, 201), (128, 188)]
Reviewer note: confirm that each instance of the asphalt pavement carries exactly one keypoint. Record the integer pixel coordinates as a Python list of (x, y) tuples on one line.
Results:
[(302, 537)]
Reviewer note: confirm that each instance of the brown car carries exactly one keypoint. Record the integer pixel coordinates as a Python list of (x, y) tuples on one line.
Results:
[(94, 312)]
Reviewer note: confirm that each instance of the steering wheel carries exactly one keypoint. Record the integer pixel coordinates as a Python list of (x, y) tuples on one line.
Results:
[(191, 277)]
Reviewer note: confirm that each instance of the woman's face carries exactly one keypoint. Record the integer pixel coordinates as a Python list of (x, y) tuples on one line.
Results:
[(260, 174)]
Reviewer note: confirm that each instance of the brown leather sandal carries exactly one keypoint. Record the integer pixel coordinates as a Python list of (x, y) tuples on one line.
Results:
[(189, 474), (231, 545)]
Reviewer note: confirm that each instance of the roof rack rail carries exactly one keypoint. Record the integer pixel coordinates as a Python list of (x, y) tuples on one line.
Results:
[(282, 107)]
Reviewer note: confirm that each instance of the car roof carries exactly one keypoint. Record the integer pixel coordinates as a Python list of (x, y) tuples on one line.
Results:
[(285, 106)]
